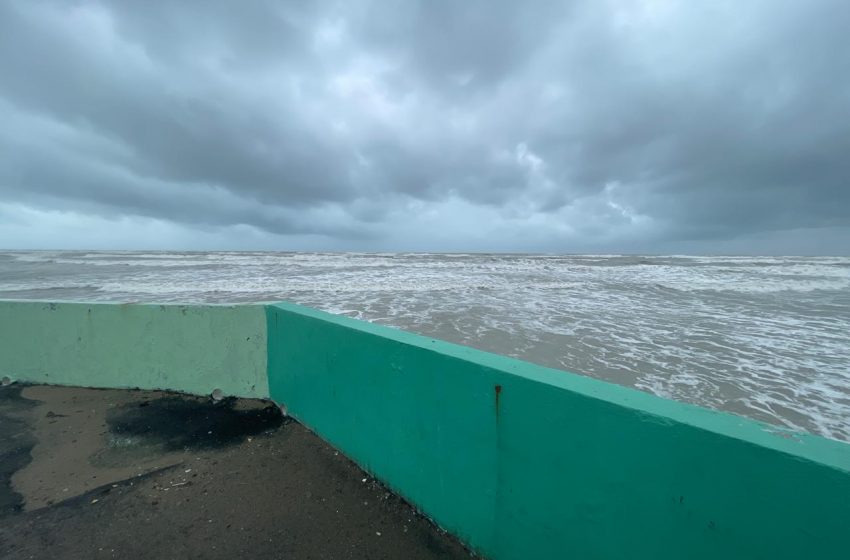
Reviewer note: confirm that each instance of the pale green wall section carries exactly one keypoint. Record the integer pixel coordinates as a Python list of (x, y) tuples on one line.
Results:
[(525, 462), (194, 349)]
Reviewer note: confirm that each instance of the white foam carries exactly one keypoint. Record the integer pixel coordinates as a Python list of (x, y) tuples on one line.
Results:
[(763, 336)]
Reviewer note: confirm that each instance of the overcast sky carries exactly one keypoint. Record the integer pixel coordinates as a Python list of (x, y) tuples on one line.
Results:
[(585, 126)]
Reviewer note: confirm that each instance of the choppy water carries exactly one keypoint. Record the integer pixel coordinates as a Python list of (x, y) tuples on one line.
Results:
[(767, 337)]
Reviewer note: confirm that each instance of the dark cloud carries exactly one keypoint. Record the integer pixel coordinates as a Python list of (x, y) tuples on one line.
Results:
[(622, 125)]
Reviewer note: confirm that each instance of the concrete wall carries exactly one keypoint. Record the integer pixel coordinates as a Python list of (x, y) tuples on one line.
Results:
[(194, 349), (526, 462), (519, 461)]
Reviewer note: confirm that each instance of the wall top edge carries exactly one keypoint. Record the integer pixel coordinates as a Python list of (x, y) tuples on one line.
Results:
[(802, 445)]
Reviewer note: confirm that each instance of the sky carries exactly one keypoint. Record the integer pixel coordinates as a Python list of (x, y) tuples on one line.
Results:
[(602, 126)]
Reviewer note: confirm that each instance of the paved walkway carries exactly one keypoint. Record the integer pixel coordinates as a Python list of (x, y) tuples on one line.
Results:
[(134, 474)]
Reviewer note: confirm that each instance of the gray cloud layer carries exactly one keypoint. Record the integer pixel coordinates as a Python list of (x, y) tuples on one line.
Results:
[(619, 125)]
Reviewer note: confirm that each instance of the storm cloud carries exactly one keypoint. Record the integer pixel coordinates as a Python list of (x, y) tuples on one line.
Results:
[(616, 126)]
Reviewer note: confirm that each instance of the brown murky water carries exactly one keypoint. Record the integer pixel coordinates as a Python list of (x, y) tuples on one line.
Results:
[(766, 337)]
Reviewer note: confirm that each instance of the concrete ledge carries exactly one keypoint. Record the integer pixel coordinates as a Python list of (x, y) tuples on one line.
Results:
[(525, 462), (192, 349)]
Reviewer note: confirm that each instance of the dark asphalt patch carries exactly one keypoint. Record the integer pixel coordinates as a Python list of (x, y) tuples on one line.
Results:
[(177, 423), (16, 443)]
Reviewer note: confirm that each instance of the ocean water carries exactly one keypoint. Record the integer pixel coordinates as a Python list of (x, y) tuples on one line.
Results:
[(765, 337)]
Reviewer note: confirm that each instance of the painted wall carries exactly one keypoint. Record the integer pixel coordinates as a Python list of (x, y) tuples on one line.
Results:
[(194, 349), (519, 461), (526, 462)]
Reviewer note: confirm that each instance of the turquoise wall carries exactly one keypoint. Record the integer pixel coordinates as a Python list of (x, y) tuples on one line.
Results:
[(194, 349), (525, 462), (519, 461)]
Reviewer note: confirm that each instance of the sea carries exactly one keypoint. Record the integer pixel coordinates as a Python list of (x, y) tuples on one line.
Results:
[(763, 337)]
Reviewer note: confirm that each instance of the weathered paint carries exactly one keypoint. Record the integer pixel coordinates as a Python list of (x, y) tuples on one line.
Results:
[(524, 462), (194, 349)]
